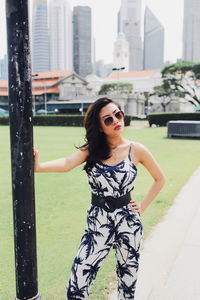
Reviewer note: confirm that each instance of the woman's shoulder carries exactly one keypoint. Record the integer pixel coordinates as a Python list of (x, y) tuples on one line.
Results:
[(137, 146), (138, 151)]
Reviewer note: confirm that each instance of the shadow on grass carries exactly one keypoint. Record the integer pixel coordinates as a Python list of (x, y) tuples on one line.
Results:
[(181, 138)]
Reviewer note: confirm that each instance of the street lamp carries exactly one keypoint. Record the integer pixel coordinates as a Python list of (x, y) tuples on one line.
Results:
[(45, 99), (118, 69)]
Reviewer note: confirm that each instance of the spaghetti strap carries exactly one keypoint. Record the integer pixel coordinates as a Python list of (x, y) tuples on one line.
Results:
[(129, 152)]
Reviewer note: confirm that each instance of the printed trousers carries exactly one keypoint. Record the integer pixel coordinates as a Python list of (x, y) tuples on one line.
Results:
[(122, 230)]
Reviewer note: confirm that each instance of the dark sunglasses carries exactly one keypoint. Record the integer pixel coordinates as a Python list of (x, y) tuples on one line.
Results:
[(109, 120)]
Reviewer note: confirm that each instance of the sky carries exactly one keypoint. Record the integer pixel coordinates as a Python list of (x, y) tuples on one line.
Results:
[(104, 21)]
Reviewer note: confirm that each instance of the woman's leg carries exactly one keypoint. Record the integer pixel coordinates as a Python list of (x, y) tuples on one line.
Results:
[(94, 247), (128, 241)]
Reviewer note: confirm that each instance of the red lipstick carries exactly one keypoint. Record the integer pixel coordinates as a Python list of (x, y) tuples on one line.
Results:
[(117, 127)]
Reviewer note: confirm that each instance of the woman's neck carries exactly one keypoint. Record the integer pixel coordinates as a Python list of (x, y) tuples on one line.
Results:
[(114, 142)]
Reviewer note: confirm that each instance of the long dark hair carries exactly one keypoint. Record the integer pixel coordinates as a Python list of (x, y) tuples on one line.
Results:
[(96, 141)]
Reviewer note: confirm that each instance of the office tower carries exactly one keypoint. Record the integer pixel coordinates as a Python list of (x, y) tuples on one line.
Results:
[(4, 68), (93, 55), (121, 53), (82, 37), (102, 69), (130, 24), (60, 28), (153, 41), (40, 36), (191, 31)]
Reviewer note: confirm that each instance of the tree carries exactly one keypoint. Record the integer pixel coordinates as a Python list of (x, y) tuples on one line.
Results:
[(165, 93), (115, 87), (182, 79)]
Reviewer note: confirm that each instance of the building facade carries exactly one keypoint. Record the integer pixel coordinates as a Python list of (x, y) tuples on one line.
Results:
[(121, 53), (60, 27), (129, 22), (191, 31), (82, 39), (66, 92), (153, 42), (40, 36)]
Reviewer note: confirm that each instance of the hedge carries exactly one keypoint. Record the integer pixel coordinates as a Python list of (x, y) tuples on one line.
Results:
[(4, 120), (161, 119), (59, 120)]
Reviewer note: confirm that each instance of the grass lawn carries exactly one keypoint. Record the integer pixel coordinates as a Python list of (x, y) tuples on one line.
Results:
[(62, 201)]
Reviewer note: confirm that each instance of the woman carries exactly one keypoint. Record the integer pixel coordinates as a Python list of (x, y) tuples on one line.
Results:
[(113, 218)]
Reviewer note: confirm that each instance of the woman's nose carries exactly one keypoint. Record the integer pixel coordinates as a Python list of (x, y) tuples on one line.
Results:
[(116, 120)]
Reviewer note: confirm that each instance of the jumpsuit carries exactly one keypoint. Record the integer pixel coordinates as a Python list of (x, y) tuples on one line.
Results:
[(121, 230)]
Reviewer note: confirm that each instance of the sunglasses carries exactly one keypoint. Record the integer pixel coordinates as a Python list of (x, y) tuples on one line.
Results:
[(109, 120)]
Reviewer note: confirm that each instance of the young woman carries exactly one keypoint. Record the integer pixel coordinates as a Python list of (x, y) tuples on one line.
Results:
[(113, 218)]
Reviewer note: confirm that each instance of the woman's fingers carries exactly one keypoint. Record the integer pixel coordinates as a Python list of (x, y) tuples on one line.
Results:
[(35, 152), (135, 206)]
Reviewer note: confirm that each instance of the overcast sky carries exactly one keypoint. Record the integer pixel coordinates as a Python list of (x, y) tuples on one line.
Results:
[(104, 18)]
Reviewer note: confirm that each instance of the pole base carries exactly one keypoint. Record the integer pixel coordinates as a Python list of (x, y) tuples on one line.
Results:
[(37, 297)]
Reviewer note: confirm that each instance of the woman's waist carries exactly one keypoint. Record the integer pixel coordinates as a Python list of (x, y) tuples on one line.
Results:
[(110, 203)]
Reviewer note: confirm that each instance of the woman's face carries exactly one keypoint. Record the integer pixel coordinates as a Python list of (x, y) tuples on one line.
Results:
[(111, 119)]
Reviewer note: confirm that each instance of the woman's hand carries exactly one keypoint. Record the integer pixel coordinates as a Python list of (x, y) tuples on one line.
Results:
[(136, 207), (36, 159)]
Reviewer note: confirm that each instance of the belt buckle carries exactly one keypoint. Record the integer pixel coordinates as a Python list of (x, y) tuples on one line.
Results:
[(109, 204)]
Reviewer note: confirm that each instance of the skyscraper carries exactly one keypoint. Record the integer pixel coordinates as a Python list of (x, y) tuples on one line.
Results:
[(129, 22), (121, 53), (82, 38), (40, 36), (60, 27), (153, 41), (191, 30), (4, 68)]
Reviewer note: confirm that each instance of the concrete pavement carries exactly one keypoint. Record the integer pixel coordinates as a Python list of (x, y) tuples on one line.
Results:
[(170, 257)]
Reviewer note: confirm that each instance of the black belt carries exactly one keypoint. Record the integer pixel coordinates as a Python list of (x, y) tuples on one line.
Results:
[(110, 203)]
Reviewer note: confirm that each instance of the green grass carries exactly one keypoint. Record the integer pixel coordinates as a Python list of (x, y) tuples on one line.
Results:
[(62, 201)]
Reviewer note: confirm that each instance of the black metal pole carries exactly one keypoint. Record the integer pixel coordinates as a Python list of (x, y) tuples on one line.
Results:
[(21, 134)]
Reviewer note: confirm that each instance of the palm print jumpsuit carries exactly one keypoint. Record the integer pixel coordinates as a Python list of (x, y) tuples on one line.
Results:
[(121, 229)]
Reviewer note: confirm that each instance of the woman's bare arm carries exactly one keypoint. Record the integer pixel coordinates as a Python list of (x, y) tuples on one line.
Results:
[(145, 157), (64, 164)]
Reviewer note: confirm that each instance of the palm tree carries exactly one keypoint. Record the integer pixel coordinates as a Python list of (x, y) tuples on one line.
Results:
[(123, 269), (128, 291), (75, 292), (93, 269), (134, 253), (112, 229), (89, 241), (127, 216)]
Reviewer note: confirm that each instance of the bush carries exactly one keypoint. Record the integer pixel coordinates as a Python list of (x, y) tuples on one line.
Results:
[(127, 120), (161, 119), (139, 118), (4, 120), (59, 120)]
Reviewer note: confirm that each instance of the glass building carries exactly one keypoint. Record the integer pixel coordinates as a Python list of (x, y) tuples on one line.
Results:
[(129, 22), (153, 42), (82, 39), (60, 28), (191, 31), (40, 36)]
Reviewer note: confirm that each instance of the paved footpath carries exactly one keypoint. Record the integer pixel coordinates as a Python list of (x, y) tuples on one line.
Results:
[(170, 257)]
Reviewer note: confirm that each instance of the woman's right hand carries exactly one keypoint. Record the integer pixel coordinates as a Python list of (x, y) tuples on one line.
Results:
[(36, 159)]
